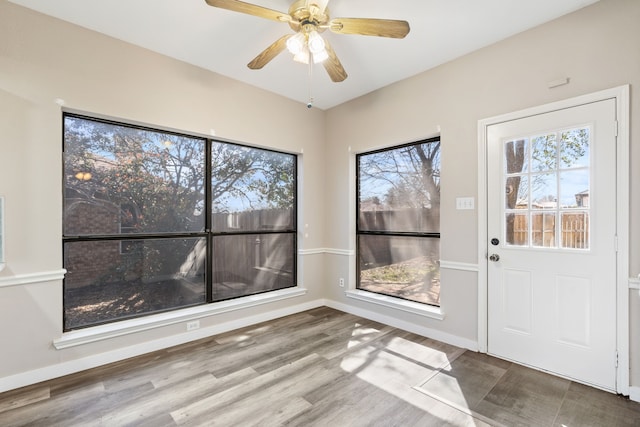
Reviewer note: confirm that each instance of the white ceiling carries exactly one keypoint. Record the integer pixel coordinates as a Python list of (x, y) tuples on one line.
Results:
[(224, 42)]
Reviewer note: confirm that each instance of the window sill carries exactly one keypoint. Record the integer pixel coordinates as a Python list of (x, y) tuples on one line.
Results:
[(397, 303), (125, 327)]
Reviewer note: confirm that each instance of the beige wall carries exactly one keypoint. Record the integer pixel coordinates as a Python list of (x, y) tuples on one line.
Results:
[(597, 48), (42, 59)]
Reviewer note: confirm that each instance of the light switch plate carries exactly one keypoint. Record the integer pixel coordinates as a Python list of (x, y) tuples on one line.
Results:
[(465, 203)]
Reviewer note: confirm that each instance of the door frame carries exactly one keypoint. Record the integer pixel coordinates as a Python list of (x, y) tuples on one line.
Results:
[(621, 96)]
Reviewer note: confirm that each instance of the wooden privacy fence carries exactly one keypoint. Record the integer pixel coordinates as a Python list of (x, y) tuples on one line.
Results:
[(574, 229), (239, 257), (400, 220), (264, 219)]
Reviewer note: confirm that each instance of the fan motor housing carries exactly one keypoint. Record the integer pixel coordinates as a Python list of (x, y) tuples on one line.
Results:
[(303, 16)]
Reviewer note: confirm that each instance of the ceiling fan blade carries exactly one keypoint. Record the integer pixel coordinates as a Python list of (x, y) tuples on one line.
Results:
[(332, 65), (370, 27), (250, 9), (269, 53)]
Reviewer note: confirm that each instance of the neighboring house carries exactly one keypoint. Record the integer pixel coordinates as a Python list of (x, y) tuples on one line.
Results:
[(582, 199)]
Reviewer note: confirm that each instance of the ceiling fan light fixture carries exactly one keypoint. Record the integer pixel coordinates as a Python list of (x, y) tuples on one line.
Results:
[(315, 42), (296, 44), (319, 57), (302, 56)]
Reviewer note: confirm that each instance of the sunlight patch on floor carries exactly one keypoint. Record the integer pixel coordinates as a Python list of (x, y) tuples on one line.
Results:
[(361, 335), (398, 366)]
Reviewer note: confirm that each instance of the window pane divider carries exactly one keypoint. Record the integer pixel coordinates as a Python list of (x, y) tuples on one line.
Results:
[(251, 232), (399, 233), (132, 236)]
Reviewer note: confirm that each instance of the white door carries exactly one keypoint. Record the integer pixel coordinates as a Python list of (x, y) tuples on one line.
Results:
[(551, 182)]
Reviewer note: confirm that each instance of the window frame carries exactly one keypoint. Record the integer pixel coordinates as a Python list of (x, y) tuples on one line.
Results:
[(381, 297), (206, 233)]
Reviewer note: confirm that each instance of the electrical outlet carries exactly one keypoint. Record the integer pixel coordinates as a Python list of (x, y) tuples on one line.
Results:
[(341, 282), (193, 325)]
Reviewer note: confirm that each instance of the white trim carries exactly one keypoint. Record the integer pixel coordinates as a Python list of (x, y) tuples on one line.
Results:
[(396, 303), (352, 204), (621, 95), (330, 251), (126, 327), (634, 282), (343, 252), (482, 206), (2, 234), (407, 326), (634, 394), (462, 266), (77, 365), (316, 251), (622, 221), (26, 279)]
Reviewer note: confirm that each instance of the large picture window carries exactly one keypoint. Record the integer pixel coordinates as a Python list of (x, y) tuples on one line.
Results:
[(398, 221), (156, 221)]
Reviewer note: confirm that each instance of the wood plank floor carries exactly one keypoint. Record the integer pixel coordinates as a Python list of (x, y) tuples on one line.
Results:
[(317, 368)]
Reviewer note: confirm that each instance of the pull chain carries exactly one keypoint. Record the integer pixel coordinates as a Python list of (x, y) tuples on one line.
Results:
[(310, 103)]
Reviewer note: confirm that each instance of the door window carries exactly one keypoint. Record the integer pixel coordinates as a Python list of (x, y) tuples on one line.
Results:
[(547, 189)]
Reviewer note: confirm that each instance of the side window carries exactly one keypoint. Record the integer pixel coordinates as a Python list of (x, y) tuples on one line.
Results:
[(398, 221)]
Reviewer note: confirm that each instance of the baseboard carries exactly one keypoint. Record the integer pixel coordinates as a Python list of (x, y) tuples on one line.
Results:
[(407, 326), (65, 368), (634, 393)]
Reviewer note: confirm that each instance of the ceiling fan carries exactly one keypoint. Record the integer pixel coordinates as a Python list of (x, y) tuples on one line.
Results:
[(309, 18)]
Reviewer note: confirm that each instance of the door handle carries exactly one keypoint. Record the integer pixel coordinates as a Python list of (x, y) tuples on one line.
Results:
[(494, 257)]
